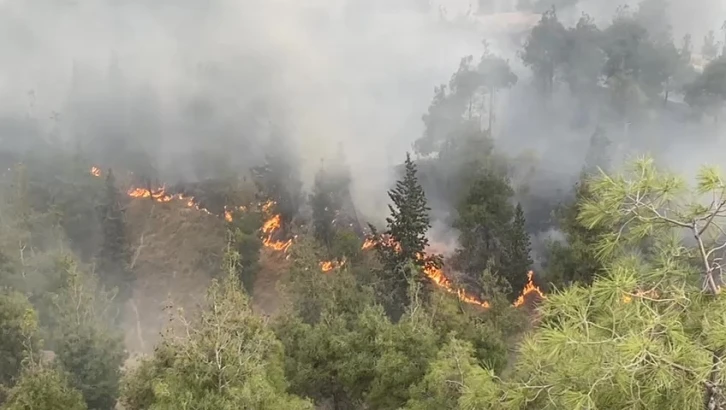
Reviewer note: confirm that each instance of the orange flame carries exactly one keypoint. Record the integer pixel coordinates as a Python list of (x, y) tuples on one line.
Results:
[(267, 205), (160, 195), (269, 228), (274, 223), (435, 274), (369, 243), (282, 246), (327, 266), (627, 298), (439, 279), (529, 288)]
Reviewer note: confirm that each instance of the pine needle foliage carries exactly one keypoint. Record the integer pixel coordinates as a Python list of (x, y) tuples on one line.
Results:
[(647, 334), (644, 202), (404, 256)]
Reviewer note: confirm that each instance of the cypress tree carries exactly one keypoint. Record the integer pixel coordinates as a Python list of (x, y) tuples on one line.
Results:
[(576, 260), (484, 221), (519, 261), (245, 240), (407, 228)]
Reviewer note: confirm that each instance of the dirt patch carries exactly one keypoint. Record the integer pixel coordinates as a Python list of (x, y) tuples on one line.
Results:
[(266, 296), (176, 250)]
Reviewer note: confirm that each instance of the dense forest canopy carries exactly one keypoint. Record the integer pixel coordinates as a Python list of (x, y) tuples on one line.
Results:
[(262, 227)]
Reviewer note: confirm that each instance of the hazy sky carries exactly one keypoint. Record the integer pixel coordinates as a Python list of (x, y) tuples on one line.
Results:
[(357, 71), (329, 71)]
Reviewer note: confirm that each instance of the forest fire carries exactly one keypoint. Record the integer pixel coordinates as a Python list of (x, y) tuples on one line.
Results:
[(435, 274), (160, 195), (269, 228), (529, 289), (274, 223), (369, 243), (327, 266), (439, 279)]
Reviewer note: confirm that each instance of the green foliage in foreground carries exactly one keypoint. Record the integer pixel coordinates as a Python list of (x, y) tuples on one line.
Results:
[(225, 359), (454, 381), (635, 339), (648, 332), (575, 261), (645, 335), (245, 239), (632, 340), (341, 349), (406, 226), (18, 333), (43, 388), (86, 344)]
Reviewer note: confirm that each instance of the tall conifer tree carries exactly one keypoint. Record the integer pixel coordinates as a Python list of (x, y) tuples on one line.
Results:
[(519, 261), (406, 227)]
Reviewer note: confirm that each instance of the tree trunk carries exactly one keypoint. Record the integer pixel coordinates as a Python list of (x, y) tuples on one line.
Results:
[(713, 399)]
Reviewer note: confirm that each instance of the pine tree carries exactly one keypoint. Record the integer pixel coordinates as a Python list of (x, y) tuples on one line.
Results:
[(406, 227), (114, 257), (86, 343), (245, 240), (710, 46), (575, 261), (484, 218), (519, 261), (545, 51)]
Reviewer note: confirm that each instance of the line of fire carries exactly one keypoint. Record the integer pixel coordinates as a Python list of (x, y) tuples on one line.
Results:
[(273, 239)]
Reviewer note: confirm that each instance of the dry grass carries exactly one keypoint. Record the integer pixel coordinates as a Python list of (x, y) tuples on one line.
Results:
[(266, 296), (176, 251)]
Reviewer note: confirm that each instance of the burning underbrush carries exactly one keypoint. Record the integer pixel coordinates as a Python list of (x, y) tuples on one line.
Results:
[(177, 249), (530, 295)]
